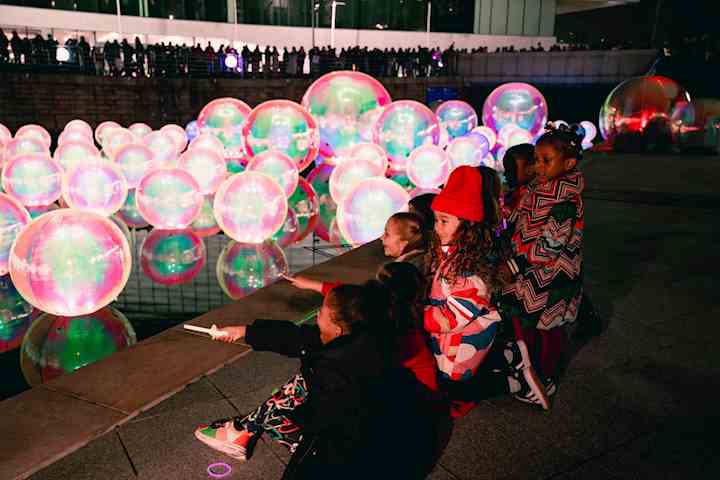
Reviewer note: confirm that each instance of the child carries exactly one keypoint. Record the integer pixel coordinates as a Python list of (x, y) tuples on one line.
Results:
[(324, 414), (420, 206), (546, 291), (404, 239), (518, 162), (459, 316)]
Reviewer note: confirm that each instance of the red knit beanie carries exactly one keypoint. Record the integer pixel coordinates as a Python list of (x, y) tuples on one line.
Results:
[(462, 195)]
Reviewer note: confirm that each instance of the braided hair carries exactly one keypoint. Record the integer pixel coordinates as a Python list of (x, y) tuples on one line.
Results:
[(565, 138)]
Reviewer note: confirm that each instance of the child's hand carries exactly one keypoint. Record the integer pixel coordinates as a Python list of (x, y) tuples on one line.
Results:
[(233, 334), (304, 283)]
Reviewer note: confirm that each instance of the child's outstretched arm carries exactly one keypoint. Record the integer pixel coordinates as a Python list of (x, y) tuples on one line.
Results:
[(277, 336), (304, 283)]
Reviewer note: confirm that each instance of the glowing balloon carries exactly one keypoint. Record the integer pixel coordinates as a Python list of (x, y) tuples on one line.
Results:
[(250, 207), (70, 262), (458, 117), (116, 138), (363, 213), (80, 126), (140, 130), (15, 315), (366, 124), (205, 224), (694, 123), (277, 166), (284, 126), (206, 166), (168, 198), (428, 166), (5, 134), (74, 136), (467, 150), (337, 239), (35, 132), (164, 149), (319, 179), (56, 345), (224, 118), (177, 133), (129, 212), (99, 188), (192, 130), (519, 104), (403, 126), (344, 105), (288, 232), (13, 217), (135, 160), (34, 179), (207, 140), (21, 146), (103, 129), (370, 152), (444, 137), (511, 135), (243, 268), (125, 230), (304, 204), (348, 174), (72, 153), (172, 257)]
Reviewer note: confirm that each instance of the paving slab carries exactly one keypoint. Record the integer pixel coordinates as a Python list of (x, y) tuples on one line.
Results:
[(197, 392), (41, 426), (257, 370)]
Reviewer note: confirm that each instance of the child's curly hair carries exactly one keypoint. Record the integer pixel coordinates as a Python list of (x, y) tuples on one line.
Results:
[(474, 242), (565, 139)]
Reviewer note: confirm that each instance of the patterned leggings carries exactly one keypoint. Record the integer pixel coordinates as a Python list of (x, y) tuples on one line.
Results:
[(270, 415)]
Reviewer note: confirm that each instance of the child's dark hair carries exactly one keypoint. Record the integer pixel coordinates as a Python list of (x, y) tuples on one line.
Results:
[(524, 151), (422, 206), (350, 306), (564, 139), (406, 286), (491, 196), (413, 231)]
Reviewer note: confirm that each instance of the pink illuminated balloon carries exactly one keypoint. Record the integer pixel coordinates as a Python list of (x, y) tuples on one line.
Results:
[(168, 198), (75, 136), (69, 262), (224, 118), (34, 179), (250, 207), (304, 204), (488, 133), (129, 212), (288, 233), (177, 133), (206, 166), (172, 257), (278, 166), (135, 160), (80, 126), (116, 138), (364, 211), (458, 117), (467, 150), (36, 132), (99, 188), (140, 130), (519, 104), (5, 134), (13, 217), (243, 268), (163, 147), (319, 179), (205, 224), (284, 126), (21, 146), (72, 153), (207, 140), (428, 166), (103, 129), (371, 152), (348, 174)]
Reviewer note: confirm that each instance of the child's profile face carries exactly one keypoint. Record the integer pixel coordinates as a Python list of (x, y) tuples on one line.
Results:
[(392, 241), (328, 328), (550, 163), (525, 171), (446, 226)]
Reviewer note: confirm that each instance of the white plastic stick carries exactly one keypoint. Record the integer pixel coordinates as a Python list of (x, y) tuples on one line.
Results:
[(212, 331)]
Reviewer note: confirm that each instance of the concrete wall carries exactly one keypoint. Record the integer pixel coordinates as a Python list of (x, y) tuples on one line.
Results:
[(515, 17)]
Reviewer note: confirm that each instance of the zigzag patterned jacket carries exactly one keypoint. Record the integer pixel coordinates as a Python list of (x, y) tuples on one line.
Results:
[(462, 323), (547, 242)]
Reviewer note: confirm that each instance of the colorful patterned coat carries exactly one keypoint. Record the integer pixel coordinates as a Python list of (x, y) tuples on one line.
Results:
[(547, 242), (462, 324)]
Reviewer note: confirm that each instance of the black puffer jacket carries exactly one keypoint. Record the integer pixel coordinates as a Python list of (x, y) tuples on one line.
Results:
[(346, 399)]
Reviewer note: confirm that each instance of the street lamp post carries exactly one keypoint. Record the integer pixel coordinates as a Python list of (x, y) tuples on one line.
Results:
[(427, 31), (119, 17), (333, 11)]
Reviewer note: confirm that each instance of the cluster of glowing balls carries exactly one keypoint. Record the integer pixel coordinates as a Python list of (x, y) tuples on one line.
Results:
[(348, 174), (304, 205), (13, 217), (250, 207), (129, 212), (364, 211), (34, 179), (284, 126), (172, 257), (99, 188), (35, 132), (467, 150), (639, 102), (140, 130), (224, 118), (428, 166), (345, 106), (403, 126), (206, 166), (15, 315), (319, 179), (370, 152), (177, 133), (21, 146), (205, 224), (243, 268), (56, 345), (457, 117), (76, 152), (135, 160), (165, 151), (277, 166), (70, 262), (168, 198), (518, 104)]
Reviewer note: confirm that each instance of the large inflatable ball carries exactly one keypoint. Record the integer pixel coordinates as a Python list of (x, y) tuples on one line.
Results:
[(177, 133), (284, 126), (362, 215), (205, 224), (164, 148), (304, 204), (206, 166), (467, 150), (129, 212), (77, 152), (243, 268), (639, 103), (428, 166), (348, 174), (319, 179), (135, 160), (250, 207), (403, 126), (81, 126), (207, 140), (103, 129), (344, 104), (20, 146), (168, 198), (5, 134), (140, 130), (15, 315), (370, 152), (172, 257), (34, 179), (35, 132), (192, 130), (69, 262), (519, 104), (278, 166), (99, 188), (288, 233), (224, 118), (57, 345), (116, 138), (457, 117), (13, 217), (695, 123)]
